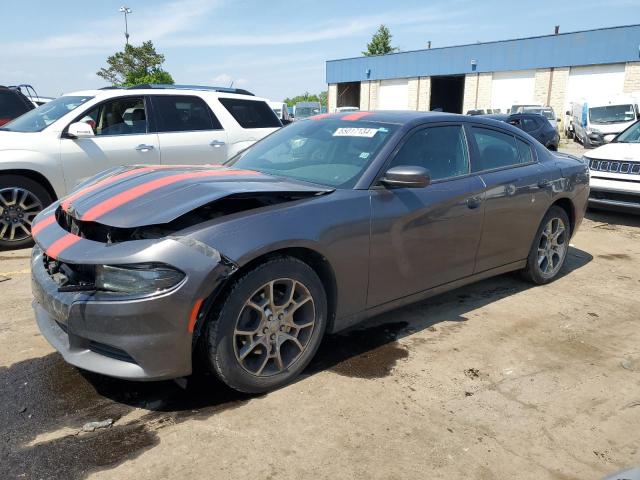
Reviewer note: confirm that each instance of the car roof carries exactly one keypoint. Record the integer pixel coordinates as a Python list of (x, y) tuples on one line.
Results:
[(110, 92)]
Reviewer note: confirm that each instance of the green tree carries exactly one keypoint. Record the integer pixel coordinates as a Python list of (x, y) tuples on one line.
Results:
[(134, 66), (307, 97), (380, 43)]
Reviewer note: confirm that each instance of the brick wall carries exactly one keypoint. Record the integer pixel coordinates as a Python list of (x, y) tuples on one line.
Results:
[(364, 95), (332, 97), (424, 93), (470, 84), (484, 90), (558, 97), (541, 89), (412, 93), (631, 77)]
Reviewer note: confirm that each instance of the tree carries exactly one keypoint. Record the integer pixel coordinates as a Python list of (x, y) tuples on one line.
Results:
[(307, 97), (380, 43), (134, 66)]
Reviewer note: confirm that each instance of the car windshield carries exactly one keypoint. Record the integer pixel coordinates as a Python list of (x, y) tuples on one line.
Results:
[(304, 112), (328, 152), (630, 135), (546, 112), (612, 114), (40, 118)]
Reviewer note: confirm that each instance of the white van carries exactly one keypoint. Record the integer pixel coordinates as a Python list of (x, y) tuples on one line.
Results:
[(598, 122)]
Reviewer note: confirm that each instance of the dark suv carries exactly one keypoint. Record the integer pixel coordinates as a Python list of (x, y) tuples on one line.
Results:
[(538, 126), (12, 104)]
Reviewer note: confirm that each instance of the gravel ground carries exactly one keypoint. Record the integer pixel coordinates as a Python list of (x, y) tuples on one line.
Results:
[(495, 380)]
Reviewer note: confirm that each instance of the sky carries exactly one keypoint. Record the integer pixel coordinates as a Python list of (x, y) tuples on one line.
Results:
[(275, 49)]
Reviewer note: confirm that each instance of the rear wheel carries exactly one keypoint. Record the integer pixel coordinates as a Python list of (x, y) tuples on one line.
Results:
[(268, 326), (550, 247), (21, 199)]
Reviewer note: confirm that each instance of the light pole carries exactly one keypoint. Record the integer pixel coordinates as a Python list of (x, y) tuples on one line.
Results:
[(126, 11)]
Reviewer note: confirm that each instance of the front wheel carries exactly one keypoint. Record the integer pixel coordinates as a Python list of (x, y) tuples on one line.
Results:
[(550, 247), (21, 199), (268, 327)]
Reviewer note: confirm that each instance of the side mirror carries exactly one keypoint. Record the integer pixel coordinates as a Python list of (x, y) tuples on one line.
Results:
[(80, 130), (406, 177)]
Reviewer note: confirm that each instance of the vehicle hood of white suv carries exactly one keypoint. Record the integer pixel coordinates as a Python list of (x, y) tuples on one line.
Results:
[(629, 152)]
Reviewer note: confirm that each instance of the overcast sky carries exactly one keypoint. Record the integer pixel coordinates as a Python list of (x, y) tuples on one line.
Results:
[(273, 48)]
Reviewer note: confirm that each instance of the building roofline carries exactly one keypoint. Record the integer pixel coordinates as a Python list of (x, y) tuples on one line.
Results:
[(487, 43)]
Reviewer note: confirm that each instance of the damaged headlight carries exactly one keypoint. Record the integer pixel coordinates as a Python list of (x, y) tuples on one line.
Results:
[(137, 279)]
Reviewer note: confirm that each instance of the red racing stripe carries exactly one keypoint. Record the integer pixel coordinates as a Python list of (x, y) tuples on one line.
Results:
[(109, 180), (136, 192), (42, 224), (61, 244), (356, 115), (320, 117)]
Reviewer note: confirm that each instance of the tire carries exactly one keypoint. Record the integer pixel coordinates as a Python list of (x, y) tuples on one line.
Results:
[(16, 193), (539, 269), (242, 344)]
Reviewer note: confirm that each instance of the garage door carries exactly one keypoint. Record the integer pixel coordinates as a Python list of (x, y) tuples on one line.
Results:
[(510, 88), (595, 82), (393, 95)]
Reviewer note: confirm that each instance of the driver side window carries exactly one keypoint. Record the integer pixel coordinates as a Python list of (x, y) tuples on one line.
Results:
[(121, 116), (441, 150)]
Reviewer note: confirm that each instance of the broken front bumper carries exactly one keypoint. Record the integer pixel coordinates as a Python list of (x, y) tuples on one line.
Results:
[(137, 338)]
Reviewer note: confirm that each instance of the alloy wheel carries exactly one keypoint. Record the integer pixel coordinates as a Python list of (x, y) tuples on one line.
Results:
[(18, 208), (552, 247), (274, 327)]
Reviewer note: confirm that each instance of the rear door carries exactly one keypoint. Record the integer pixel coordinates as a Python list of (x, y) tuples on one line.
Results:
[(188, 131), (516, 197), (425, 237), (122, 137)]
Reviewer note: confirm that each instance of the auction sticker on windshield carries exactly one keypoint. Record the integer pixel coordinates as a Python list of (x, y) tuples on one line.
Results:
[(355, 132)]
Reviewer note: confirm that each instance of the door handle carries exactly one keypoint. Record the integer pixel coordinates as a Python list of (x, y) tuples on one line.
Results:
[(216, 143), (144, 148), (474, 202)]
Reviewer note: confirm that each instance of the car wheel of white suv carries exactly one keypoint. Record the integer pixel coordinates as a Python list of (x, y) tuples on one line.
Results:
[(21, 199)]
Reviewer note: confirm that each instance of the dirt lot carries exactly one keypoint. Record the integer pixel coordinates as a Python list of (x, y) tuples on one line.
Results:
[(496, 380)]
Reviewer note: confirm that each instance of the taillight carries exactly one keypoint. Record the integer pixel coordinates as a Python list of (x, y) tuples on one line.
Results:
[(4, 120)]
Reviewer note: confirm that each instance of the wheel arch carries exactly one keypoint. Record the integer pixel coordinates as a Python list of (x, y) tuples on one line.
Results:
[(35, 176), (567, 205), (318, 263)]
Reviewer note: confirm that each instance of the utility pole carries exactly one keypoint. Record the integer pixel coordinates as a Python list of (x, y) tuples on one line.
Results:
[(126, 11)]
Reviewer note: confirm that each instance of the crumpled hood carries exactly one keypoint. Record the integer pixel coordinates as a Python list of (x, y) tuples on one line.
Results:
[(152, 195)]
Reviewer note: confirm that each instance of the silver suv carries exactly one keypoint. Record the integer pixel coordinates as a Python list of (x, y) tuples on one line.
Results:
[(46, 152)]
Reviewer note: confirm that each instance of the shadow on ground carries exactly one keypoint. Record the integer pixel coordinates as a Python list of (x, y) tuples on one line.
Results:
[(40, 397)]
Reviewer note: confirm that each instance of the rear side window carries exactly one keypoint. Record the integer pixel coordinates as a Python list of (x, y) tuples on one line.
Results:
[(11, 105), (183, 113), (524, 150), (496, 149), (251, 113)]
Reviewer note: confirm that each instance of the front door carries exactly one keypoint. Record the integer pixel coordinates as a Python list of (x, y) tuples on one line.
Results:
[(121, 138), (188, 131), (425, 237)]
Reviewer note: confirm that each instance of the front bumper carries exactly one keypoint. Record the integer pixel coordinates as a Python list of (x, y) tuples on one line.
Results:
[(143, 338), (614, 194)]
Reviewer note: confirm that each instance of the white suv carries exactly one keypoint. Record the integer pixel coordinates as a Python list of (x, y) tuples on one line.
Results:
[(49, 150)]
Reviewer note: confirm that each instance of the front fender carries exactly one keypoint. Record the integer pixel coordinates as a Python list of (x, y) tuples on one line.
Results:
[(45, 165)]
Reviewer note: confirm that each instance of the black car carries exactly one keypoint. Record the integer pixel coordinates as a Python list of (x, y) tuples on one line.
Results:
[(538, 126), (12, 104), (313, 229)]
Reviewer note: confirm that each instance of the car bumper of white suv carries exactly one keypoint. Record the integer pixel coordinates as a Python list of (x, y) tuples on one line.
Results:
[(614, 194)]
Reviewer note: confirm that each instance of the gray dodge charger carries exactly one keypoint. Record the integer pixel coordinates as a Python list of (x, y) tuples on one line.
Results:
[(320, 225)]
